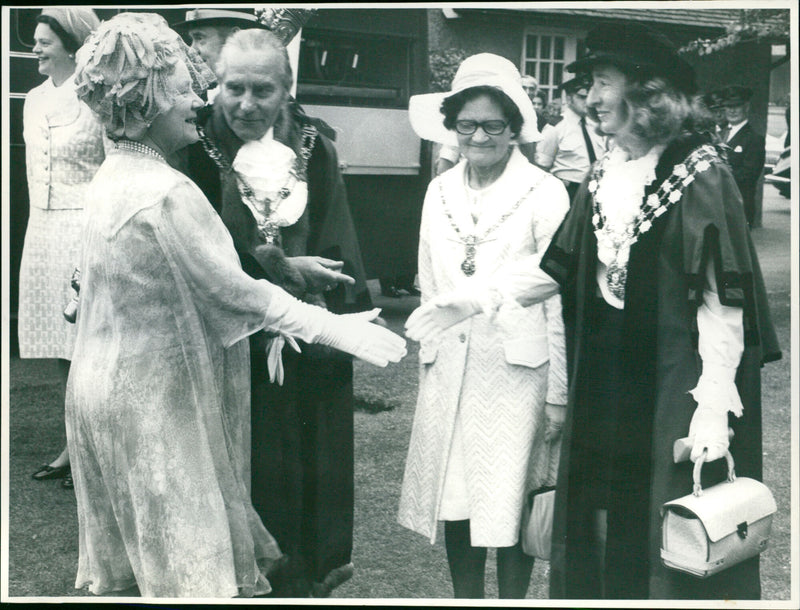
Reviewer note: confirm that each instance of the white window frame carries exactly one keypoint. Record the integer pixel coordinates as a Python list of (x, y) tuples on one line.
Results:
[(570, 37)]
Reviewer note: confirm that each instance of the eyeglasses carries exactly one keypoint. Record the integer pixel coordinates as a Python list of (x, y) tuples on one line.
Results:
[(492, 128)]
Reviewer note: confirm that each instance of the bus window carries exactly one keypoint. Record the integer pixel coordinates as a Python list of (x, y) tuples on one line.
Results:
[(348, 69)]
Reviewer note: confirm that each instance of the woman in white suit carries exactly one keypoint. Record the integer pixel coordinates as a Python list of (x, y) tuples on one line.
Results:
[(488, 386), (64, 146)]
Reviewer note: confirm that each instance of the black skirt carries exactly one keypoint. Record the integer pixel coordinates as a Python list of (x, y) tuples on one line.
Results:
[(610, 465)]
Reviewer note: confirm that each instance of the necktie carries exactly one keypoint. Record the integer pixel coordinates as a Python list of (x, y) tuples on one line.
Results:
[(587, 139)]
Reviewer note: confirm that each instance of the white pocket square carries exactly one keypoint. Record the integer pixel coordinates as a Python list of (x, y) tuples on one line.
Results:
[(737, 149)]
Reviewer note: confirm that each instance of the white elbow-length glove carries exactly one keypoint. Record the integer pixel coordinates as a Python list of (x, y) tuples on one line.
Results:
[(720, 345), (352, 333)]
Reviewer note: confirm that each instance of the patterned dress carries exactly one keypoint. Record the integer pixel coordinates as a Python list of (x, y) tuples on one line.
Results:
[(477, 443), (64, 146)]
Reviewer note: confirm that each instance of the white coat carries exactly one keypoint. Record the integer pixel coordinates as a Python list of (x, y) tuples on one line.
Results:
[(477, 443)]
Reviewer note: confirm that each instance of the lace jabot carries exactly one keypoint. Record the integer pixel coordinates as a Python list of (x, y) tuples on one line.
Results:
[(266, 165), (620, 195)]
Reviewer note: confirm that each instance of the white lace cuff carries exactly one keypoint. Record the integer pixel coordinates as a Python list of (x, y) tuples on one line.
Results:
[(717, 390)]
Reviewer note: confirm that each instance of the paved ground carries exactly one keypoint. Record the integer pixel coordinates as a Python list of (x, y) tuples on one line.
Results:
[(31, 381)]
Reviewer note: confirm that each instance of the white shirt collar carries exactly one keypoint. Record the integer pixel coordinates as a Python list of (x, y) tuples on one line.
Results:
[(571, 115), (734, 129)]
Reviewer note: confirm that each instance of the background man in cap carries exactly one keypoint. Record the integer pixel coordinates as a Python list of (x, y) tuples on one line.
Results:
[(568, 149), (746, 147), (713, 100), (208, 29)]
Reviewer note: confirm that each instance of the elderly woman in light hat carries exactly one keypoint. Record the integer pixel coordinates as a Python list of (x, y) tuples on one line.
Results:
[(64, 146), (487, 385), (158, 399), (668, 326)]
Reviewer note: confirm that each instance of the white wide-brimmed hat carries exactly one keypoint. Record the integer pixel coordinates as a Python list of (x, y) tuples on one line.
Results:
[(483, 69)]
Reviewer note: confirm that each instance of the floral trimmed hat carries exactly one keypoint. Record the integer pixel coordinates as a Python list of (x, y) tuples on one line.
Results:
[(124, 70)]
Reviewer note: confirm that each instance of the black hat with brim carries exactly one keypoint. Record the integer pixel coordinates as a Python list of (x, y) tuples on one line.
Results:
[(202, 17), (713, 99), (581, 81), (736, 95), (636, 49)]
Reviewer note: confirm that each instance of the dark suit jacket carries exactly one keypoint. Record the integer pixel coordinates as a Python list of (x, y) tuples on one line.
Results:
[(746, 152)]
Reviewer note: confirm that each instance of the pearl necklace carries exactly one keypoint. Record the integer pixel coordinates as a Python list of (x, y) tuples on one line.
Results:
[(138, 147)]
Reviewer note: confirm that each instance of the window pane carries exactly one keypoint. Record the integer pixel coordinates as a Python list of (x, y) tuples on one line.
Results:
[(342, 68), (558, 47), (545, 47), (558, 74), (530, 46), (530, 68), (544, 74)]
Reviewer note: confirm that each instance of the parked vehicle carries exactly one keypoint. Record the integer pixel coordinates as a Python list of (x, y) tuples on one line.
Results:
[(779, 175), (357, 69)]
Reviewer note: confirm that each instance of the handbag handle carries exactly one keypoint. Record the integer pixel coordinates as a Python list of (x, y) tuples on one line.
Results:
[(697, 489)]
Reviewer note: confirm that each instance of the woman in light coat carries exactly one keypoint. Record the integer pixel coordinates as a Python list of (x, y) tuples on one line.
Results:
[(487, 386), (64, 146)]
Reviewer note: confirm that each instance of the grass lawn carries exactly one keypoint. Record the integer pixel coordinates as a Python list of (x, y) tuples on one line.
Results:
[(391, 562)]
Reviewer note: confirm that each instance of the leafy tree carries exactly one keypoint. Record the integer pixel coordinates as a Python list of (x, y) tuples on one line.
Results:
[(444, 64)]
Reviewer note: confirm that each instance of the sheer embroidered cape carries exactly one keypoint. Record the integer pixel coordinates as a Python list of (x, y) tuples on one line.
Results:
[(158, 403)]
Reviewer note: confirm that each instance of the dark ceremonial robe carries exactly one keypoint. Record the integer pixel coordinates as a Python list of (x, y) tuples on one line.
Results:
[(649, 351), (302, 431), (746, 154)]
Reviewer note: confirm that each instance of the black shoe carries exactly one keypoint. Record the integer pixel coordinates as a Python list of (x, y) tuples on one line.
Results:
[(412, 291), (47, 472), (68, 483)]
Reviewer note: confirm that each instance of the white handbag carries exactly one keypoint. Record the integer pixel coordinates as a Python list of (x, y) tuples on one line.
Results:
[(536, 531), (537, 523), (710, 530)]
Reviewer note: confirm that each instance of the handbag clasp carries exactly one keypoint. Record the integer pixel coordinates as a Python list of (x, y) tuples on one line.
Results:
[(741, 529)]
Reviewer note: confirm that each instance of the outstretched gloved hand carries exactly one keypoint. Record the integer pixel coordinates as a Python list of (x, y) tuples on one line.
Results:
[(356, 334), (440, 313)]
